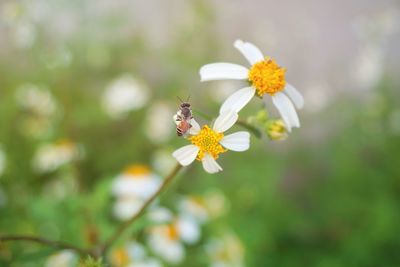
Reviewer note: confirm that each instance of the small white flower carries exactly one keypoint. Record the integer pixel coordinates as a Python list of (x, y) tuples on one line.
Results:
[(50, 157), (167, 240), (194, 207), (132, 188), (132, 254), (124, 208), (158, 126), (38, 100), (64, 258), (208, 143), (137, 181), (226, 251), (123, 95), (265, 77)]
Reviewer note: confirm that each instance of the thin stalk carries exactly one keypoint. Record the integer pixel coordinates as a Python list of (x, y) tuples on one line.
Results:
[(123, 227)]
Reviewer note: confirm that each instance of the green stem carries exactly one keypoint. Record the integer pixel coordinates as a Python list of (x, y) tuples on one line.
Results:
[(123, 227)]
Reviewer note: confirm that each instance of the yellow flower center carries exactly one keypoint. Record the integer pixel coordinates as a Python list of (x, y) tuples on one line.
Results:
[(208, 142), (137, 170), (267, 77), (120, 257)]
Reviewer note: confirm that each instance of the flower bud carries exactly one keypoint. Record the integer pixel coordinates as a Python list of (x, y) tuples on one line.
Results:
[(276, 130)]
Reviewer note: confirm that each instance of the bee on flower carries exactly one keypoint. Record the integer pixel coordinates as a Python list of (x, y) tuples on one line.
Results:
[(50, 157), (168, 238), (209, 142), (132, 188), (132, 254), (266, 78)]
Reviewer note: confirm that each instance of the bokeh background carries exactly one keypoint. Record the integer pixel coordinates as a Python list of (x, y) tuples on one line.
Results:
[(89, 87)]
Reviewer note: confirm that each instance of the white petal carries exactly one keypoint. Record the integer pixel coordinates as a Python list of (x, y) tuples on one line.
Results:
[(186, 155), (225, 121), (195, 127), (210, 165), (294, 95), (223, 71), (287, 123), (239, 141), (238, 100), (286, 109), (189, 230), (249, 51)]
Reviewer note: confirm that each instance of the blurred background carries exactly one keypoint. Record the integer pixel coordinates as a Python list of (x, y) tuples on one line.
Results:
[(87, 94)]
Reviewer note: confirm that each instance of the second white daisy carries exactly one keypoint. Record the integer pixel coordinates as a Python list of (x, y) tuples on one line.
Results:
[(265, 76), (209, 142)]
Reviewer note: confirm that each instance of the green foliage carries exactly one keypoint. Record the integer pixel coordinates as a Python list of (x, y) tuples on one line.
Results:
[(90, 262)]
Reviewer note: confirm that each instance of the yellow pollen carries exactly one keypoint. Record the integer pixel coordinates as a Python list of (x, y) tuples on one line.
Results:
[(267, 77), (120, 257), (172, 232), (208, 142), (137, 170)]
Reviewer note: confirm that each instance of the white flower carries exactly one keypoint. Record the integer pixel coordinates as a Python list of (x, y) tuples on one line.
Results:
[(194, 207), (137, 181), (203, 208), (38, 100), (208, 143), (132, 188), (125, 208), (167, 240), (226, 251), (64, 258), (158, 126), (133, 254), (265, 77), (123, 95), (50, 157)]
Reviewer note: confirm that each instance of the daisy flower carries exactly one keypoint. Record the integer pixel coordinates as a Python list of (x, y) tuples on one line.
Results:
[(265, 76), (132, 188), (209, 142), (225, 251), (50, 157), (64, 258), (133, 254), (167, 239)]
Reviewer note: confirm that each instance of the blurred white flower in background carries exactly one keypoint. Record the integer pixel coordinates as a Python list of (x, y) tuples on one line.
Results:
[(225, 251), (373, 32), (50, 157), (3, 160), (35, 99), (41, 110), (22, 28), (162, 161), (125, 94), (158, 122), (167, 239), (132, 188), (64, 258), (132, 254)]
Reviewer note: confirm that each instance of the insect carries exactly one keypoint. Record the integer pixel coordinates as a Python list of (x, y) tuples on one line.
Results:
[(182, 118)]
